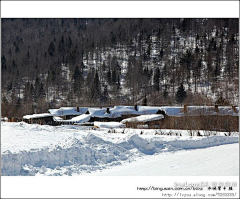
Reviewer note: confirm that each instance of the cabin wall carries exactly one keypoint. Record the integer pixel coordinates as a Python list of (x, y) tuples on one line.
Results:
[(99, 119), (212, 123)]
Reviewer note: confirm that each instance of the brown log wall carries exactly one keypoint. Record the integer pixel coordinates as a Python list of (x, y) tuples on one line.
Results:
[(212, 123)]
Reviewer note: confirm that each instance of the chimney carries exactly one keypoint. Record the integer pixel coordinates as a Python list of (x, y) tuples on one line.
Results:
[(216, 108), (135, 107), (234, 109), (107, 111), (185, 108), (77, 109)]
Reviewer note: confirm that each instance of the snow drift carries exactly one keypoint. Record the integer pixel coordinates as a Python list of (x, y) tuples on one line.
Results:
[(77, 151)]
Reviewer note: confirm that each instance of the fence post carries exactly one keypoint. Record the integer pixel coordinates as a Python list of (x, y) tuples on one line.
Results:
[(185, 108), (234, 109)]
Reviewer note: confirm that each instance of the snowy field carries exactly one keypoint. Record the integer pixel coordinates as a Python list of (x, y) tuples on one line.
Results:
[(75, 150)]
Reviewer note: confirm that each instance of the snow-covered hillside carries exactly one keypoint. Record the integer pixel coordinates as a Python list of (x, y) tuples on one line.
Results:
[(77, 150)]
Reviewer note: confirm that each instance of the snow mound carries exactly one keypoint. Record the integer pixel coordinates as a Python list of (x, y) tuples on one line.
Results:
[(81, 153), (142, 145)]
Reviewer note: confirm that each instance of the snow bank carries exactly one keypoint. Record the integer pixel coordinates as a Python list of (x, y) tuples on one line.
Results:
[(143, 118), (69, 150), (220, 161)]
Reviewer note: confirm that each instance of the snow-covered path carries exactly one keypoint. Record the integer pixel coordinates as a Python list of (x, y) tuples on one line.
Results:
[(214, 161)]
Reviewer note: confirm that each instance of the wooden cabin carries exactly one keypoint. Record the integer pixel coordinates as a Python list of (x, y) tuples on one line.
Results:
[(209, 118), (219, 118), (40, 119)]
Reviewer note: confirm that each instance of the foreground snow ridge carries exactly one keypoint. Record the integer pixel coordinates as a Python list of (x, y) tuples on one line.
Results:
[(88, 151)]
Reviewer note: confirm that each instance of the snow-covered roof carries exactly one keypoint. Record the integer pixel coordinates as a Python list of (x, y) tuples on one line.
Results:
[(115, 112), (226, 110), (4, 119), (109, 125), (80, 119), (68, 111), (98, 112), (56, 118), (143, 118), (37, 116), (119, 111), (172, 110), (148, 109), (210, 110), (200, 110)]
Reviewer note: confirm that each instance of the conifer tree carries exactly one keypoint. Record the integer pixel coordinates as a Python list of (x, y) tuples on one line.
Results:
[(77, 80), (144, 101), (181, 94), (105, 95), (94, 93), (51, 49), (156, 79), (165, 93)]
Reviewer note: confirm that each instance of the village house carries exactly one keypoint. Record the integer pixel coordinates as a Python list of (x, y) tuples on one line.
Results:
[(221, 118), (43, 118)]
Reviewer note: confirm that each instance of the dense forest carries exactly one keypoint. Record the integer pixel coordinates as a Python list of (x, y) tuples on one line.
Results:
[(49, 63)]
